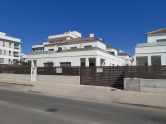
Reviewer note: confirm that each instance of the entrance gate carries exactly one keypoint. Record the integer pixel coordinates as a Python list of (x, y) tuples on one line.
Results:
[(102, 76)]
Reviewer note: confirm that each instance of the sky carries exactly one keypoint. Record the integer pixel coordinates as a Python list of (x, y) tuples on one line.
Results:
[(120, 23)]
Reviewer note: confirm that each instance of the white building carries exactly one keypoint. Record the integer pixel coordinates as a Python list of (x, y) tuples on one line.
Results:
[(10, 49), (70, 49), (154, 51)]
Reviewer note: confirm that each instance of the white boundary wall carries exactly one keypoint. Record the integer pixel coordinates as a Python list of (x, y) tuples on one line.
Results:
[(25, 78), (145, 85)]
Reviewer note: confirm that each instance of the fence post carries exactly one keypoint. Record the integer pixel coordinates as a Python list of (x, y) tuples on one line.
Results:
[(33, 71)]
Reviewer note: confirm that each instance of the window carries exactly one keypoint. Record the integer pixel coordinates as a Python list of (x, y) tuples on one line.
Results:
[(142, 61), (92, 61), (9, 53), (65, 64), (50, 49), (0, 52), (161, 40), (1, 60), (112, 53), (73, 47), (9, 61), (102, 62), (16, 46), (156, 60), (10, 44), (4, 52), (82, 62), (16, 54), (38, 49), (88, 46), (59, 49), (4, 44)]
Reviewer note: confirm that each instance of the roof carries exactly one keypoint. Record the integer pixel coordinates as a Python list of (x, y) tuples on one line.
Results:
[(5, 37), (108, 46), (73, 34), (159, 31), (73, 41), (123, 54)]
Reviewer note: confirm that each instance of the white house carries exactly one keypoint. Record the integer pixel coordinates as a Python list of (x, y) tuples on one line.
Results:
[(154, 51), (70, 49), (10, 49)]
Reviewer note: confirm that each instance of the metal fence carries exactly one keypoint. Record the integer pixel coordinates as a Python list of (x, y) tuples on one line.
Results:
[(114, 75), (102, 76), (99, 76), (146, 72), (15, 69)]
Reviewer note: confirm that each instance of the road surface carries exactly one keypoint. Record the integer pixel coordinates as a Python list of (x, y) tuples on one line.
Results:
[(31, 108)]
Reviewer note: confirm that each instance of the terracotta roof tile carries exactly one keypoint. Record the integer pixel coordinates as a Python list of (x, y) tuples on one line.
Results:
[(72, 41), (163, 30), (122, 54)]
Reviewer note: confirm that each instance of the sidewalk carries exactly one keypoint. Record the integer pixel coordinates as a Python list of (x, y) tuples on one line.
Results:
[(105, 94), (96, 93)]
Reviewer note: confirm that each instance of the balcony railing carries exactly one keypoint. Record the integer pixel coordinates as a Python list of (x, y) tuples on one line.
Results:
[(70, 50), (67, 50), (16, 55), (163, 43), (16, 47)]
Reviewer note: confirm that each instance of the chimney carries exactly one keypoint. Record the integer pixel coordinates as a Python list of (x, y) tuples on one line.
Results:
[(91, 35)]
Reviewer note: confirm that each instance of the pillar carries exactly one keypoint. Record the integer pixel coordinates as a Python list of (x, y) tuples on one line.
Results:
[(87, 62), (98, 63), (149, 61), (33, 71)]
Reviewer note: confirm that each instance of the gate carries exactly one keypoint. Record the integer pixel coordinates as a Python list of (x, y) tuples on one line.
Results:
[(103, 76)]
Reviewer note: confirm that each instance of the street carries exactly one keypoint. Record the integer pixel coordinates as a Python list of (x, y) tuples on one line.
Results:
[(30, 108)]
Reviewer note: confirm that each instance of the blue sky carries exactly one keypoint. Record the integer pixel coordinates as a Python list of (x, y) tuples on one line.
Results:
[(121, 23)]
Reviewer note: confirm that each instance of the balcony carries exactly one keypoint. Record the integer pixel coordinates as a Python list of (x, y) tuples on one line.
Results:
[(70, 50), (163, 43), (16, 54), (16, 47)]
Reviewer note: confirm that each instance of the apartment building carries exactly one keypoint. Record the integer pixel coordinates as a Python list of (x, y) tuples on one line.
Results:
[(154, 51), (10, 49), (71, 49)]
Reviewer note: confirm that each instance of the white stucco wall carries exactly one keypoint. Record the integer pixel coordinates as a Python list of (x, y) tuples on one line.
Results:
[(79, 45), (56, 58), (101, 45), (74, 58), (152, 39), (111, 60), (73, 34), (163, 57), (112, 50), (151, 51)]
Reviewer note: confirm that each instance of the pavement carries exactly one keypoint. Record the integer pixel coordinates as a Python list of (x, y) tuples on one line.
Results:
[(95, 93), (17, 107)]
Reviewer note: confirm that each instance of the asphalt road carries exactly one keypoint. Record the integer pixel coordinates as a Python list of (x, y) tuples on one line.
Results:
[(30, 108)]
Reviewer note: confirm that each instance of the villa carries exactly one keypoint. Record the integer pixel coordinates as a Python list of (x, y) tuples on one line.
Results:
[(154, 51), (71, 49)]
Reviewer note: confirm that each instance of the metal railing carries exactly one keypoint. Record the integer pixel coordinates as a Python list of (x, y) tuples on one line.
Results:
[(163, 43)]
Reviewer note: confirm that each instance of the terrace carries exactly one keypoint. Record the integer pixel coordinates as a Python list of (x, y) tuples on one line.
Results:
[(162, 43)]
